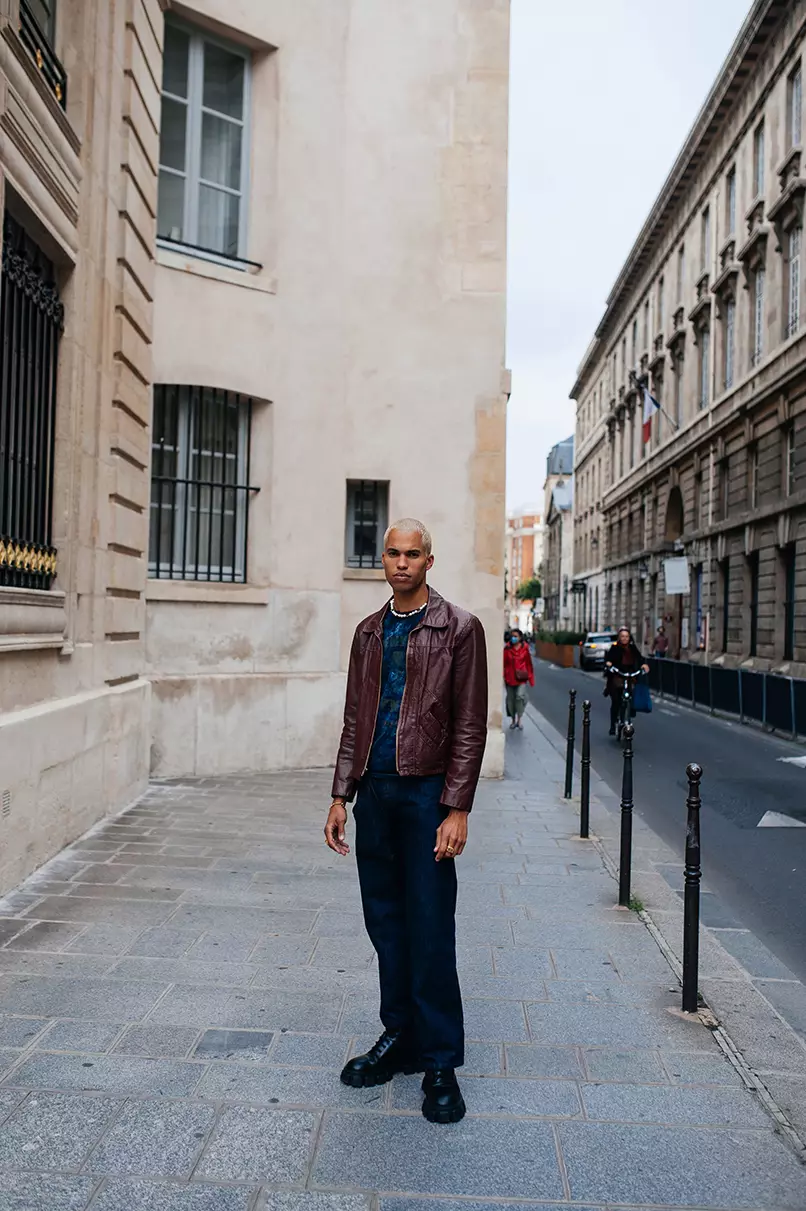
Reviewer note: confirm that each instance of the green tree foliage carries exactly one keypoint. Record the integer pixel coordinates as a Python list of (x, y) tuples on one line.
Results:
[(529, 590)]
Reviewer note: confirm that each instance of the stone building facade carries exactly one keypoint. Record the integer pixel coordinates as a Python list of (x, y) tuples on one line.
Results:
[(556, 569), (708, 316), (524, 555), (558, 559), (269, 264), (79, 115)]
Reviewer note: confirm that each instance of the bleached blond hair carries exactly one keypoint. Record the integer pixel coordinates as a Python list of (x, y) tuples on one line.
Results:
[(410, 525)]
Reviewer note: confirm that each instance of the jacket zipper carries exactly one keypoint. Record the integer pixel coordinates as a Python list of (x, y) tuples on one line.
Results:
[(377, 704)]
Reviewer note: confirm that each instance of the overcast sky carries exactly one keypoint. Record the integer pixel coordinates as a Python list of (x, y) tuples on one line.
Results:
[(603, 95)]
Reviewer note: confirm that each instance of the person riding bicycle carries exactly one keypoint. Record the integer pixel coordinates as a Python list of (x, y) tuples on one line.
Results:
[(623, 657)]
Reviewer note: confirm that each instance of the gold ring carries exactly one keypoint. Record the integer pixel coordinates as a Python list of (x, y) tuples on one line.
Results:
[(450, 850)]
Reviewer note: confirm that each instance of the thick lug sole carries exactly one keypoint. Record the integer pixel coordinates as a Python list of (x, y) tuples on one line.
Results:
[(438, 1115), (381, 1076)]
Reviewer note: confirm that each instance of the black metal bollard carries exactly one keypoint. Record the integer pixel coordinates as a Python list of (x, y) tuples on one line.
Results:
[(569, 748), (625, 860), (691, 902), (584, 811)]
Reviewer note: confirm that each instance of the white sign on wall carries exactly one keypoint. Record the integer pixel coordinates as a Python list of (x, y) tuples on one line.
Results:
[(675, 572)]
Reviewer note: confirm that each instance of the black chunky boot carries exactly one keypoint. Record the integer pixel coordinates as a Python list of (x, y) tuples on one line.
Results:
[(443, 1097), (391, 1054)]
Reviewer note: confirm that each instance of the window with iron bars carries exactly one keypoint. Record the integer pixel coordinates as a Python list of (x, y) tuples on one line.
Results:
[(790, 460), (200, 486), (752, 486), (31, 323), (367, 519), (753, 575), (790, 600)]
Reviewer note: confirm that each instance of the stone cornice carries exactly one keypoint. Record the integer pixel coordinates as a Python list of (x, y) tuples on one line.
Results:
[(743, 57)]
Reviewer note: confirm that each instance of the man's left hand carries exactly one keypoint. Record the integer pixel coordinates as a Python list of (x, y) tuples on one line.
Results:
[(451, 835)]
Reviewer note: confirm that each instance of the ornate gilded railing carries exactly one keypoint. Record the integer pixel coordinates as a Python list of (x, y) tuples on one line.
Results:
[(31, 320), (37, 43)]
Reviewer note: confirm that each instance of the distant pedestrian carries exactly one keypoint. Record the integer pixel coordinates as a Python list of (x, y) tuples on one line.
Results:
[(415, 726), (518, 673), (660, 645)]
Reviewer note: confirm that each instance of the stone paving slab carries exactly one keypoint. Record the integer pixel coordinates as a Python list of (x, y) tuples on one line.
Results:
[(196, 972), (479, 1157)]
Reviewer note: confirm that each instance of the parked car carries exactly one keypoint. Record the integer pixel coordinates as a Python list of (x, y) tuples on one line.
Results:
[(594, 648)]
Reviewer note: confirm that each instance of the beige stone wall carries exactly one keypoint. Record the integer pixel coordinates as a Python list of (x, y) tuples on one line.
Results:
[(373, 337), (370, 336), (73, 699)]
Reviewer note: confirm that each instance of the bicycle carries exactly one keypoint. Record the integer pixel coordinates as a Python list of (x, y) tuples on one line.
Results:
[(625, 710)]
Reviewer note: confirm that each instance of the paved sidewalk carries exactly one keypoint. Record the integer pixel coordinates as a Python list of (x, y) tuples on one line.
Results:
[(181, 988)]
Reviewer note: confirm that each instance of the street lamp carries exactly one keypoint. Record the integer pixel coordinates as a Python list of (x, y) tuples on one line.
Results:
[(643, 570)]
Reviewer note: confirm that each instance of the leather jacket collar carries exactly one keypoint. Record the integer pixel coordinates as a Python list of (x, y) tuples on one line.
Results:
[(436, 615)]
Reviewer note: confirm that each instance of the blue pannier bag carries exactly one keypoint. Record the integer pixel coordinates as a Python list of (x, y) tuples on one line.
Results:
[(642, 699)]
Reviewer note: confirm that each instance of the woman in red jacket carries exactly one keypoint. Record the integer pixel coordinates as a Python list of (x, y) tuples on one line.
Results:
[(518, 673)]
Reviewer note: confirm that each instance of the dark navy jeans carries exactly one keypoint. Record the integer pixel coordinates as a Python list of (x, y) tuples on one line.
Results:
[(409, 908)]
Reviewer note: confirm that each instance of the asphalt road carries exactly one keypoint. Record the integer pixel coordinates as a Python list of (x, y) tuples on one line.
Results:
[(759, 874)]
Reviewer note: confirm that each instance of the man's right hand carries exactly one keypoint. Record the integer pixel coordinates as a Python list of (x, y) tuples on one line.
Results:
[(334, 829)]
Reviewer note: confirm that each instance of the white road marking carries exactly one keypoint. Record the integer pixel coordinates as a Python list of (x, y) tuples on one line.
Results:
[(663, 711), (801, 761), (779, 820)]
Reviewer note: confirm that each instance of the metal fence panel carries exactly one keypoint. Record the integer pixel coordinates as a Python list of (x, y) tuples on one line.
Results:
[(769, 698), (654, 673), (800, 706), (779, 702), (752, 694), (725, 689), (668, 680), (701, 684), (685, 681)]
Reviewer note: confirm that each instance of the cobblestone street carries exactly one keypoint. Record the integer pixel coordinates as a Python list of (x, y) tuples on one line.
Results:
[(181, 987)]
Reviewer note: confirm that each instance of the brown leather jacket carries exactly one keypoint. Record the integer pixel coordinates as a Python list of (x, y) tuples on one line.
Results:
[(443, 716)]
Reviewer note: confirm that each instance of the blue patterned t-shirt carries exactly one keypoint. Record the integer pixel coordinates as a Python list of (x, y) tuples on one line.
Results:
[(396, 631)]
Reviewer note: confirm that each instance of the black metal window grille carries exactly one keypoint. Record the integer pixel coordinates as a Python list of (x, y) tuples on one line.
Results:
[(37, 34), (31, 322), (200, 489), (367, 519), (789, 602), (790, 460), (725, 603), (753, 569)]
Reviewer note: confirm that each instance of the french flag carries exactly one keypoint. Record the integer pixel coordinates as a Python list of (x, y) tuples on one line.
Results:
[(651, 406)]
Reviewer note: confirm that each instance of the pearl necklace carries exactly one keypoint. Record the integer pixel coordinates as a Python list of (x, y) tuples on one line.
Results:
[(407, 613)]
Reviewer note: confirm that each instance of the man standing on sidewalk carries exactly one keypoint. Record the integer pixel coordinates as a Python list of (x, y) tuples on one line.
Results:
[(415, 726)]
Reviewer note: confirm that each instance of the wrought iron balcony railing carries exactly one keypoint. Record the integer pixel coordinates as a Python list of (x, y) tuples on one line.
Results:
[(37, 43)]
